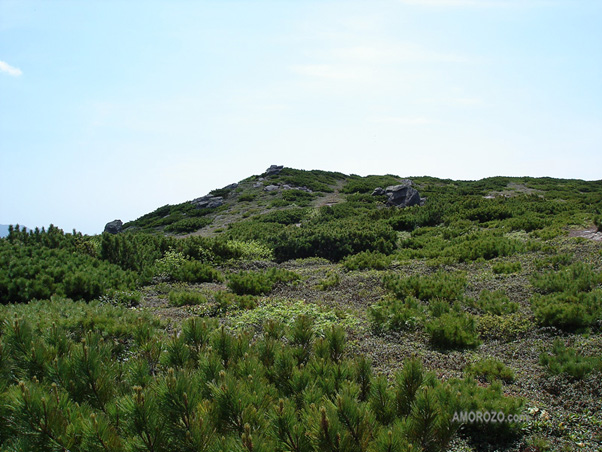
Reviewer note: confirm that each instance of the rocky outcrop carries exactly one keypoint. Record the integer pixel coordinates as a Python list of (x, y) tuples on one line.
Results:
[(280, 186), (208, 202), (274, 170), (114, 227), (402, 195)]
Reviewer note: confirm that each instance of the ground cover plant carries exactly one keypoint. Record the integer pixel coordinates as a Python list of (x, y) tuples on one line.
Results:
[(313, 318)]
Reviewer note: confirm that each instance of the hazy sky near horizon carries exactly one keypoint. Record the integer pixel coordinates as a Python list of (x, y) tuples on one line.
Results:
[(110, 109)]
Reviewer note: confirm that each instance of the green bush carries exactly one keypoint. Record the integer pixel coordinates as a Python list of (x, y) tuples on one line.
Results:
[(490, 369), (566, 360), (568, 311), (188, 225), (196, 272), (246, 197), (506, 267), (496, 303), (392, 314), (578, 277), (598, 223), (186, 297), (453, 331), (227, 301), (332, 280), (299, 197), (440, 285), (259, 283), (367, 260)]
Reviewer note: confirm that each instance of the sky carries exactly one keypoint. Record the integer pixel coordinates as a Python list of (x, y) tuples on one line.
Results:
[(110, 109)]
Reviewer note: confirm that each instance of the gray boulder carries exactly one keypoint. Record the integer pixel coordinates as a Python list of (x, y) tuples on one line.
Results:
[(271, 188), (273, 170), (231, 186), (378, 191), (114, 227), (208, 202), (402, 195)]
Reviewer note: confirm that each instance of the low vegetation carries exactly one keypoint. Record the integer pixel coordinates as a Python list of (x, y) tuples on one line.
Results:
[(311, 317)]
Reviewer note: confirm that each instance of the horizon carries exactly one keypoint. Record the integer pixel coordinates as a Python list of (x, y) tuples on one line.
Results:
[(111, 110)]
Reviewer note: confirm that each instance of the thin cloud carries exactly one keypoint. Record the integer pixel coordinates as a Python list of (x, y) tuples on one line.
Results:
[(5, 67)]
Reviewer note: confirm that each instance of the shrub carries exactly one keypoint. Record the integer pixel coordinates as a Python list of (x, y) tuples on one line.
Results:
[(440, 285), (490, 369), (496, 303), (227, 301), (565, 360), (196, 272), (185, 297), (188, 224), (568, 311), (506, 267), (287, 216), (453, 330), (332, 280), (247, 197), (367, 260), (598, 223), (396, 315), (299, 197), (259, 283), (578, 277)]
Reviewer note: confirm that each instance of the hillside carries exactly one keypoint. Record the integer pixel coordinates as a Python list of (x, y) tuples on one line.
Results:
[(301, 310)]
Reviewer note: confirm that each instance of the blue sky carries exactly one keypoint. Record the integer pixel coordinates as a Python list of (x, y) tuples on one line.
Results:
[(110, 109)]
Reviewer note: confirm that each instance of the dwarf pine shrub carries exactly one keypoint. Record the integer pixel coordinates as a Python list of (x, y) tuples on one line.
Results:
[(453, 330), (440, 285), (186, 297), (259, 283), (566, 360), (506, 268), (496, 303), (367, 260), (490, 369), (206, 388)]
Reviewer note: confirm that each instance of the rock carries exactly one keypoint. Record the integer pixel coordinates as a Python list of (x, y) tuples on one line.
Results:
[(114, 227), (257, 184), (208, 202), (378, 191), (287, 187), (271, 188), (402, 195), (231, 186), (274, 170)]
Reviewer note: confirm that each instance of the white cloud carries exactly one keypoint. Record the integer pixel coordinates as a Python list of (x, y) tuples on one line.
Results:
[(5, 67)]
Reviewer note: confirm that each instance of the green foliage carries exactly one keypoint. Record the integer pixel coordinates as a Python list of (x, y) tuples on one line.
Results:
[(357, 184), (247, 197), (41, 264), (298, 197), (333, 279), (315, 180), (568, 297), (506, 267), (227, 301), (490, 369), (566, 360), (259, 283), (440, 285), (334, 239), (393, 314), (367, 260), (598, 223), (186, 297), (188, 225), (496, 303), (453, 330), (209, 389), (287, 216)]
